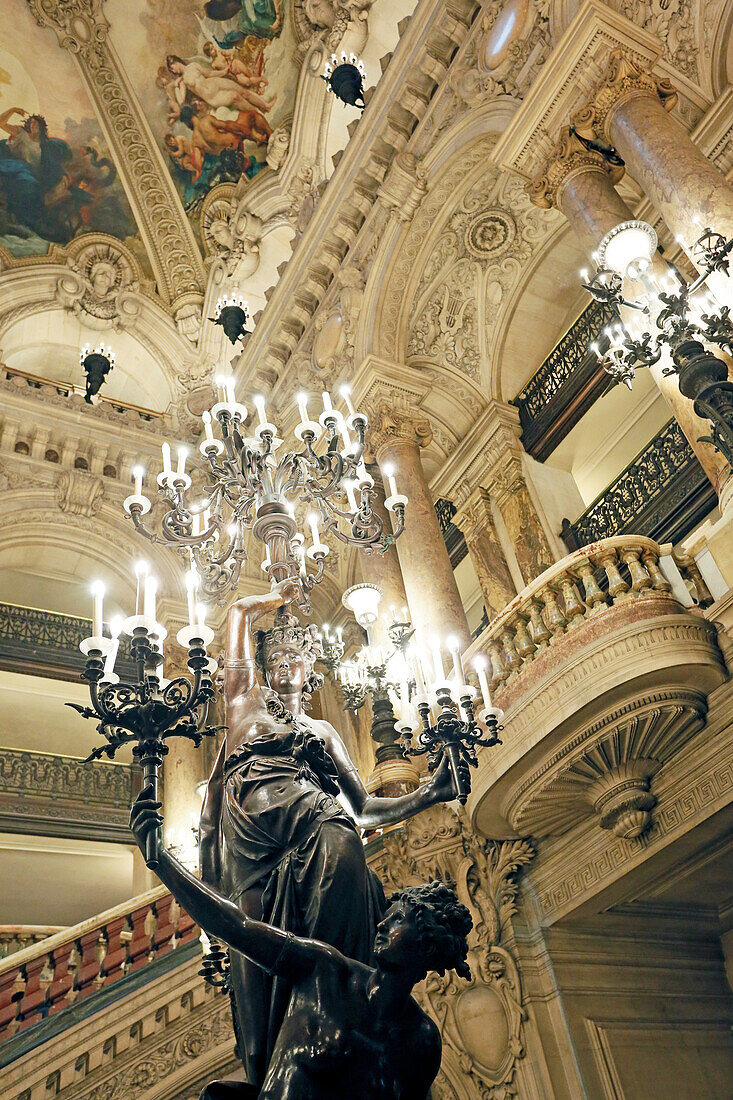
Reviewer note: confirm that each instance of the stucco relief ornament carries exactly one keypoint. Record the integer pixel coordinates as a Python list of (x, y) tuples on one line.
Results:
[(101, 286), (278, 146)]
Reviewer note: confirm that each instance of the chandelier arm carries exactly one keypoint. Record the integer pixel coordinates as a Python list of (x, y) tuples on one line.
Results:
[(136, 517)]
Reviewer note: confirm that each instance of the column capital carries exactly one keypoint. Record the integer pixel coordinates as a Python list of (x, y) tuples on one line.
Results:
[(390, 425), (569, 158), (475, 514), (626, 78)]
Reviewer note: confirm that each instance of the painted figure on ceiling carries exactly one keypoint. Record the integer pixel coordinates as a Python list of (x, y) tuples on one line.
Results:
[(262, 18)]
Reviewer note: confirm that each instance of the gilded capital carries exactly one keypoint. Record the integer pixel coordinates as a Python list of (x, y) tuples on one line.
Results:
[(568, 158), (625, 80), (390, 425)]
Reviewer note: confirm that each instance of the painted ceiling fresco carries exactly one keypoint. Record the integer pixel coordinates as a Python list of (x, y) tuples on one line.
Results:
[(57, 178), (215, 78)]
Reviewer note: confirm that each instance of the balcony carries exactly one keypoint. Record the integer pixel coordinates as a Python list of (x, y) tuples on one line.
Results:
[(604, 676), (663, 493)]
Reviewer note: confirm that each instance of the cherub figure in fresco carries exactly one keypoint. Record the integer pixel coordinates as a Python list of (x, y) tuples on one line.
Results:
[(181, 150), (212, 135), (229, 63), (213, 88)]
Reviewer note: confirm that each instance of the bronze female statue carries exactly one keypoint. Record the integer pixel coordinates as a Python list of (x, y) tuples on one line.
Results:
[(274, 839), (349, 1029)]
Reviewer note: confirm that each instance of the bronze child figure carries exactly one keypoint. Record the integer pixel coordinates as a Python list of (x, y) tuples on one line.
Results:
[(350, 1028)]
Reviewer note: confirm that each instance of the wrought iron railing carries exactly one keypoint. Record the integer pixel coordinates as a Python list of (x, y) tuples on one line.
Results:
[(567, 383), (663, 493), (44, 643), (46, 795), (452, 536)]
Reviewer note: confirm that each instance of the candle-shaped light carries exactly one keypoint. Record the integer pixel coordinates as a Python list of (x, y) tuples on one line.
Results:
[(192, 584), (138, 473), (151, 590), (260, 406), (421, 686), (229, 389), (348, 486), (97, 608), (206, 417), (437, 658), (181, 467), (345, 392), (480, 665), (389, 474), (141, 571), (313, 524), (196, 528), (458, 672), (302, 399), (200, 614), (327, 403), (166, 449), (115, 629)]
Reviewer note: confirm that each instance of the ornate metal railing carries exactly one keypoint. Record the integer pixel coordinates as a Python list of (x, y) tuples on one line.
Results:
[(82, 961), (46, 795), (663, 493), (452, 536), (44, 643), (569, 381)]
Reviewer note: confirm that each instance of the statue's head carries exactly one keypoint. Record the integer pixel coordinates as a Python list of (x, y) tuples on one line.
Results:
[(287, 654), (424, 928)]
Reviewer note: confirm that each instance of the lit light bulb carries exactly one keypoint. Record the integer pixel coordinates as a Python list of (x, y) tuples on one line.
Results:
[(138, 473)]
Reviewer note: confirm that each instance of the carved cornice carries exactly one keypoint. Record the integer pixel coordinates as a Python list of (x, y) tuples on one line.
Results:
[(569, 158), (82, 28)]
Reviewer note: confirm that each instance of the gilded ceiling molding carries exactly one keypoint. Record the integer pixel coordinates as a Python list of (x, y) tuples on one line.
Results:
[(82, 28)]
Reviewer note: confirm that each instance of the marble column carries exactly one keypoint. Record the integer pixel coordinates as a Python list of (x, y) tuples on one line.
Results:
[(630, 110), (183, 769), (475, 520), (432, 593), (383, 569), (582, 185)]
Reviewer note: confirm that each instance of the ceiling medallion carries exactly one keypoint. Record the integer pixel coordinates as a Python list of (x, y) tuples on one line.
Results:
[(490, 234)]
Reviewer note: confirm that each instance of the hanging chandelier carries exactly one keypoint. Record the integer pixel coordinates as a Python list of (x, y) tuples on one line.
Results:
[(96, 362), (252, 487), (344, 76), (232, 313), (668, 313)]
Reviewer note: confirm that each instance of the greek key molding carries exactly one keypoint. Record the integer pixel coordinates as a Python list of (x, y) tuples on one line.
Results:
[(82, 28)]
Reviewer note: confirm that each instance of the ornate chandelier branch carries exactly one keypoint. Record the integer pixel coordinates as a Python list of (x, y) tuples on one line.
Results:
[(669, 313), (252, 488)]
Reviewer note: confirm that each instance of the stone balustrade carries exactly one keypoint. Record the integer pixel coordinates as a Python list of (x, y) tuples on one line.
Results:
[(75, 963), (603, 666), (16, 937)]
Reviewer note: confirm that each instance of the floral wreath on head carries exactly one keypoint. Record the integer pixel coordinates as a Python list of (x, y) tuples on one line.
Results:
[(289, 632)]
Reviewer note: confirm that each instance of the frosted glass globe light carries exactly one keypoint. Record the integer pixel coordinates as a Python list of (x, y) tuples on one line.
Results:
[(362, 600), (628, 249)]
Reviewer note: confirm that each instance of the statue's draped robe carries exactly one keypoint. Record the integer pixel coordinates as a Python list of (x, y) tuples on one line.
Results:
[(291, 856)]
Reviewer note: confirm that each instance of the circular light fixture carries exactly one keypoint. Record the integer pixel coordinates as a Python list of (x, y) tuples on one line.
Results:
[(232, 313), (344, 76), (628, 249), (362, 600)]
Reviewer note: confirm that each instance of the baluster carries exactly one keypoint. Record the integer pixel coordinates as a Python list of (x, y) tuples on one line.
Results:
[(702, 594), (499, 673), (523, 644), (19, 987), (574, 606), (150, 928), (538, 632), (126, 934), (100, 954), (617, 586), (640, 579), (46, 977), (512, 660), (74, 967), (658, 579), (595, 597), (553, 615), (174, 915)]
